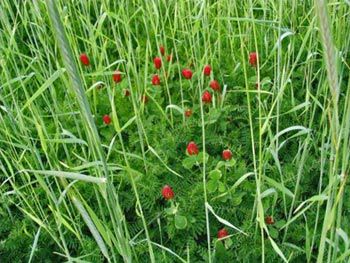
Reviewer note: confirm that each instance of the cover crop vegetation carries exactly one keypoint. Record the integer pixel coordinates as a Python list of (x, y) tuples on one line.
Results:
[(174, 131)]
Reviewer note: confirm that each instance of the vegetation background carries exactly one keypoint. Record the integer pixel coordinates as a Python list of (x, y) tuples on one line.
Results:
[(74, 189)]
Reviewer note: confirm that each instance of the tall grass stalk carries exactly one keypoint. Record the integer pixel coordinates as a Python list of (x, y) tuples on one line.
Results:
[(92, 134), (335, 135)]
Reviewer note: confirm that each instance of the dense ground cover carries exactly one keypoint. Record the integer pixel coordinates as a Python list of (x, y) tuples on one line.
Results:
[(174, 131)]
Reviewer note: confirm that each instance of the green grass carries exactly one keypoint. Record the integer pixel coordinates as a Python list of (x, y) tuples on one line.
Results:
[(76, 190)]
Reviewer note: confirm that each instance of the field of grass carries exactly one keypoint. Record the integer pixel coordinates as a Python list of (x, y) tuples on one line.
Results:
[(174, 131)]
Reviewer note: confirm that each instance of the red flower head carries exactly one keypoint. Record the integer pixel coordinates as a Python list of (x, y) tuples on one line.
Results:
[(162, 50), (167, 192), (157, 62), (126, 92), (117, 77), (188, 113), (187, 73), (106, 119), (215, 85), (206, 97), (269, 220), (84, 59), (192, 148), (253, 59), (222, 233), (155, 80), (169, 58), (144, 99), (207, 70), (226, 155)]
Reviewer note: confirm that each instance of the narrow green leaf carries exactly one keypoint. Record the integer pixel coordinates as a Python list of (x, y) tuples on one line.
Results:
[(278, 186), (69, 175), (277, 249), (91, 226), (47, 84)]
